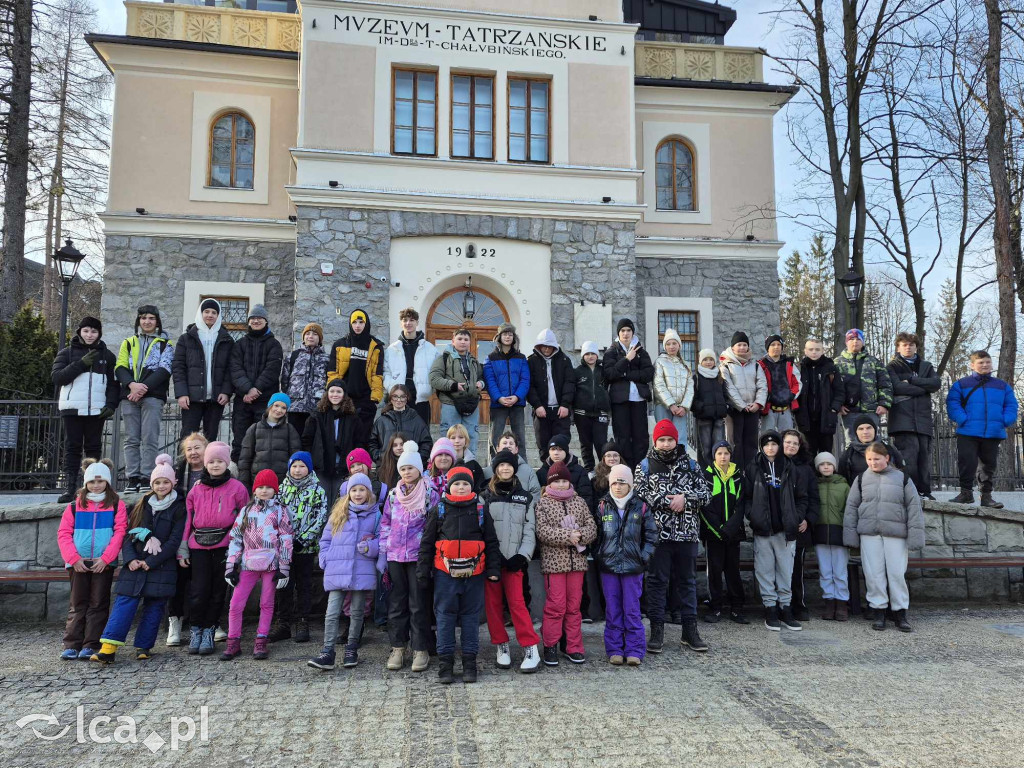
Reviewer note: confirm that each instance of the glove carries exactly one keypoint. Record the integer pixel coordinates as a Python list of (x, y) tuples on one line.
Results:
[(140, 534), (278, 576), (385, 579), (517, 563), (232, 576), (153, 546), (106, 413), (282, 583), (90, 357)]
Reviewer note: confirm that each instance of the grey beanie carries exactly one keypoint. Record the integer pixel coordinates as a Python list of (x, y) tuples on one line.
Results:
[(259, 311)]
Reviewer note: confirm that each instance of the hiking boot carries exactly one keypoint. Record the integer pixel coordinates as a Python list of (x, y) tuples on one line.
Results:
[(105, 654), (302, 631), (675, 617), (445, 664), (503, 660), (691, 637), (259, 648), (901, 621), (194, 640), (396, 660), (842, 611), (616, 660), (551, 655), (420, 661), (879, 619), (964, 497), (173, 631), (632, 661), (739, 617), (771, 618), (828, 610), (988, 501), (788, 619), (280, 632), (576, 657), (232, 649), (324, 661), (713, 616), (142, 654), (351, 657), (531, 660), (657, 639), (469, 668), (206, 646)]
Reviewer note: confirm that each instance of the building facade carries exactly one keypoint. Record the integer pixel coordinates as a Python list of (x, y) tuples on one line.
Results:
[(565, 164)]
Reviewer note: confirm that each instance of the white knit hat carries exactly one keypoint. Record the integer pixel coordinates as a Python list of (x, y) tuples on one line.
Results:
[(411, 456), (588, 348), (97, 470)]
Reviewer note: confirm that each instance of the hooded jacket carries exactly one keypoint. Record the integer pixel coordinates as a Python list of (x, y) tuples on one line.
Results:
[(304, 377), (512, 510), (882, 504), (150, 366), (912, 388), (446, 374), (982, 406), (792, 495), (401, 529), (620, 372), (329, 438), (557, 553), (261, 538), (745, 383), (832, 493), (344, 566), (306, 501), (657, 479), (673, 382), (626, 541), (256, 362), (866, 382), (85, 391), (821, 396), (390, 423), (423, 359), (561, 375), (367, 349), (591, 395), (507, 374), (267, 447), (189, 365), (722, 518), (161, 580), (460, 533)]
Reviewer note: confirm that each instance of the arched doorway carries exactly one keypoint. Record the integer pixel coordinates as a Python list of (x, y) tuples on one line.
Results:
[(446, 315)]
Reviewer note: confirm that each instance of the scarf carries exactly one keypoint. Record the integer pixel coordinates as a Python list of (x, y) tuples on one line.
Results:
[(159, 505), (560, 495), (621, 503), (208, 338), (96, 497), (414, 500), (707, 373), (214, 482), (665, 457), (459, 499), (505, 487), (357, 508)]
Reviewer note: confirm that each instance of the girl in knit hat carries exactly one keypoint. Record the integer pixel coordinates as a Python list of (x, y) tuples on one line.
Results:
[(710, 405), (833, 557), (304, 374), (401, 528), (269, 442), (591, 406), (442, 459), (673, 384), (260, 551), (149, 575), (349, 547), (565, 527)]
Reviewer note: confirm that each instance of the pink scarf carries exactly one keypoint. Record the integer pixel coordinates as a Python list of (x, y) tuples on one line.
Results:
[(416, 501), (560, 495)]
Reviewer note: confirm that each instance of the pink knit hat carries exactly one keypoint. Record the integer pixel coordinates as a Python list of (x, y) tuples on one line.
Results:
[(443, 445), (164, 468), (620, 472), (217, 450)]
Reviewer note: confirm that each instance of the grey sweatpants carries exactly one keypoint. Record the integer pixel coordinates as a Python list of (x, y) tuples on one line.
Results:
[(779, 421), (884, 560), (141, 435), (773, 568), (335, 604)]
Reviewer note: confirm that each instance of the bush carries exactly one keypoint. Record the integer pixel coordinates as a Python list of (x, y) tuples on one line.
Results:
[(27, 350)]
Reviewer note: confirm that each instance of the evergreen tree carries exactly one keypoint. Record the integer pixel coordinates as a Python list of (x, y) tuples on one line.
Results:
[(27, 350), (806, 300)]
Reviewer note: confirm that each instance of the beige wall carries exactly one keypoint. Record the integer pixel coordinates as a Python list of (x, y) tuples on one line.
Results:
[(605, 10), (600, 98), (338, 98)]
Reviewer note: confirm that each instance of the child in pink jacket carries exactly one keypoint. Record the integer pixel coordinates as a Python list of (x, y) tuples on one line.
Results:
[(90, 535)]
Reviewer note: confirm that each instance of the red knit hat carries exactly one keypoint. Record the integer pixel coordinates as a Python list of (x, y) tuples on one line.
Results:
[(665, 428), (266, 477), (457, 473), (559, 471)]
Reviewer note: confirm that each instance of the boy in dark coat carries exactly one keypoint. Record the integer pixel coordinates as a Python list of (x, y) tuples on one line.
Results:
[(552, 387), (255, 371), (823, 393), (201, 370), (591, 406), (910, 418), (629, 372)]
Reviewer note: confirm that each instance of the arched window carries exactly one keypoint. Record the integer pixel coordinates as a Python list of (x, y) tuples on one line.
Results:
[(232, 146), (677, 189)]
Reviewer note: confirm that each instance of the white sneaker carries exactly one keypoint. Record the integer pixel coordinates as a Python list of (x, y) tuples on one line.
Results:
[(173, 631), (504, 660), (531, 659), (220, 635)]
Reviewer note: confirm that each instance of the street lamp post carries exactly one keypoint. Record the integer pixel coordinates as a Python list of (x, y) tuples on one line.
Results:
[(853, 285), (68, 259)]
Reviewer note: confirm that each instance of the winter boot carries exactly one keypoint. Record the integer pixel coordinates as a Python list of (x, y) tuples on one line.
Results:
[(324, 661), (988, 501), (281, 632), (551, 655), (302, 631), (105, 654), (657, 639), (675, 617), (616, 660), (788, 619), (713, 616), (691, 637), (879, 622), (194, 640), (351, 657), (445, 666), (842, 611), (503, 659), (771, 618), (966, 496), (420, 661), (469, 668), (801, 613), (901, 621), (828, 611), (173, 631), (396, 659), (259, 648), (738, 617), (531, 660), (232, 649), (206, 646)]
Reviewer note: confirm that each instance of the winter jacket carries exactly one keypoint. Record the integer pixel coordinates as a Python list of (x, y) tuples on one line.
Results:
[(852, 461), (469, 462), (805, 476), (154, 371), (821, 397), (656, 480), (619, 373), (306, 501), (267, 447), (512, 510), (189, 366), (446, 374), (710, 400), (304, 377), (526, 475), (344, 566), (577, 474), (395, 367), (90, 532), (341, 357), (721, 518), (591, 395), (557, 554), (792, 496), (390, 423), (625, 542), (866, 382), (161, 580), (261, 538), (673, 382), (214, 507), (782, 383), (562, 376), (912, 388), (744, 382), (507, 374), (884, 504), (256, 362), (329, 441), (454, 528), (85, 391), (401, 529), (982, 406), (832, 493)]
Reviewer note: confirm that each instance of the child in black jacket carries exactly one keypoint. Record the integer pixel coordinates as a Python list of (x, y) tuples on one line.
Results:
[(721, 530), (709, 407), (591, 405), (794, 446)]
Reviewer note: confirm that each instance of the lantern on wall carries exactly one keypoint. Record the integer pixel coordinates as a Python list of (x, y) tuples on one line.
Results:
[(469, 300)]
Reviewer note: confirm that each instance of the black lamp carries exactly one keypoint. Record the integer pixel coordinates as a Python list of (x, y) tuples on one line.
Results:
[(469, 300), (853, 285), (68, 260)]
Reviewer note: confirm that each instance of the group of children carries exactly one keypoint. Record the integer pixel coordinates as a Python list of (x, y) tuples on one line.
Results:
[(451, 541)]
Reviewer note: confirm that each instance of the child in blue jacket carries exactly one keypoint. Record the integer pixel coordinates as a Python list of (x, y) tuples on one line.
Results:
[(507, 375)]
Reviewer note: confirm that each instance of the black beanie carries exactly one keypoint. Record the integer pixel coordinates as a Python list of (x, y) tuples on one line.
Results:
[(611, 445), (774, 337), (210, 304), (863, 419), (625, 323), (738, 337), (90, 322), (505, 457)]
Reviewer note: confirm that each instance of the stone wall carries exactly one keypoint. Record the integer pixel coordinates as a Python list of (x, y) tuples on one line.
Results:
[(745, 293)]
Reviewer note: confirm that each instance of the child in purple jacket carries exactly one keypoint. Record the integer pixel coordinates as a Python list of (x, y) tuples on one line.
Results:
[(349, 548)]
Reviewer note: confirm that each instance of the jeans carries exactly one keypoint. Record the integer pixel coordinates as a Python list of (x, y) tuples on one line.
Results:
[(629, 424), (243, 416), (624, 626), (295, 599), (546, 428), (514, 417), (773, 568), (122, 615), (679, 422), (81, 434), (89, 608), (408, 612), (709, 432), (458, 602), (205, 415), (970, 451), (744, 436), (832, 564), (884, 562), (240, 596), (141, 435), (450, 415), (357, 609), (673, 561), (208, 588), (510, 588), (917, 453), (562, 610), (593, 431), (723, 558)]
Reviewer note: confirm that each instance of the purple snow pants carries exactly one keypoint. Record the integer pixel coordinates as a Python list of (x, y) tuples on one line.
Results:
[(623, 625)]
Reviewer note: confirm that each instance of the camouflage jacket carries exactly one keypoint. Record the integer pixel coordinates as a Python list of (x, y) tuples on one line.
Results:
[(867, 382)]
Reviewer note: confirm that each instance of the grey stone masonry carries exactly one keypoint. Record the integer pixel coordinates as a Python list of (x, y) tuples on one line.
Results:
[(590, 260), (745, 293)]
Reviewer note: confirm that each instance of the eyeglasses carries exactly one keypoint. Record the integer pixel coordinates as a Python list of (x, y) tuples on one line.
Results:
[(398, 397)]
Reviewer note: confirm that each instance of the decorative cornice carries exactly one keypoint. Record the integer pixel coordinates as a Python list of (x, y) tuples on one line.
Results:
[(707, 248), (185, 225), (215, 26)]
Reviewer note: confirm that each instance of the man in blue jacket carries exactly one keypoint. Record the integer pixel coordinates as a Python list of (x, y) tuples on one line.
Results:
[(982, 407), (507, 376)]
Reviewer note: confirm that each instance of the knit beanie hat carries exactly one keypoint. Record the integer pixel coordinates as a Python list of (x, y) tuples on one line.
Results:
[(217, 450), (266, 477), (410, 456), (771, 436), (443, 445), (455, 474), (739, 337), (610, 446), (625, 323), (258, 311), (357, 315), (855, 333), (864, 418), (339, 383), (210, 304), (706, 353), (665, 428), (504, 457), (359, 479), (164, 468), (771, 339), (302, 456), (721, 444), (315, 328), (280, 397), (588, 348), (620, 472), (825, 458), (559, 441), (358, 456), (97, 469), (558, 471), (90, 322), (672, 335)]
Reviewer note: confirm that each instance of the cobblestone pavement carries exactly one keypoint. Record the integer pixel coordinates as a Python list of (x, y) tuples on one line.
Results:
[(833, 695)]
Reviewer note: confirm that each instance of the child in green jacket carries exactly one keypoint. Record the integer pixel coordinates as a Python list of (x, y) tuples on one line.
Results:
[(833, 557)]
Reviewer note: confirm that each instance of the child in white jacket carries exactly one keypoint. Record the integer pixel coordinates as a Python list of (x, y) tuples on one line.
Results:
[(673, 384)]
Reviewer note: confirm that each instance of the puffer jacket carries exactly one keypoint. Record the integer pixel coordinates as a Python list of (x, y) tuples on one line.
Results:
[(92, 531), (832, 493), (401, 529), (189, 366), (212, 506), (161, 580), (256, 362), (982, 406), (154, 371), (341, 357), (619, 372), (656, 480), (515, 525), (883, 504), (526, 475), (673, 382), (458, 531), (306, 501), (409, 423), (866, 382), (912, 388), (304, 376), (562, 376), (267, 447), (625, 542), (591, 395), (344, 566), (852, 461), (745, 383), (261, 538), (821, 396), (557, 554), (710, 400), (722, 518), (85, 391), (446, 375), (792, 496), (423, 359), (507, 374)]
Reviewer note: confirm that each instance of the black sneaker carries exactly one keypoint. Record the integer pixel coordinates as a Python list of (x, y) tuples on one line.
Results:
[(738, 617), (771, 618), (351, 656), (691, 637), (657, 639), (324, 661), (788, 620), (576, 658), (551, 655), (713, 617)]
